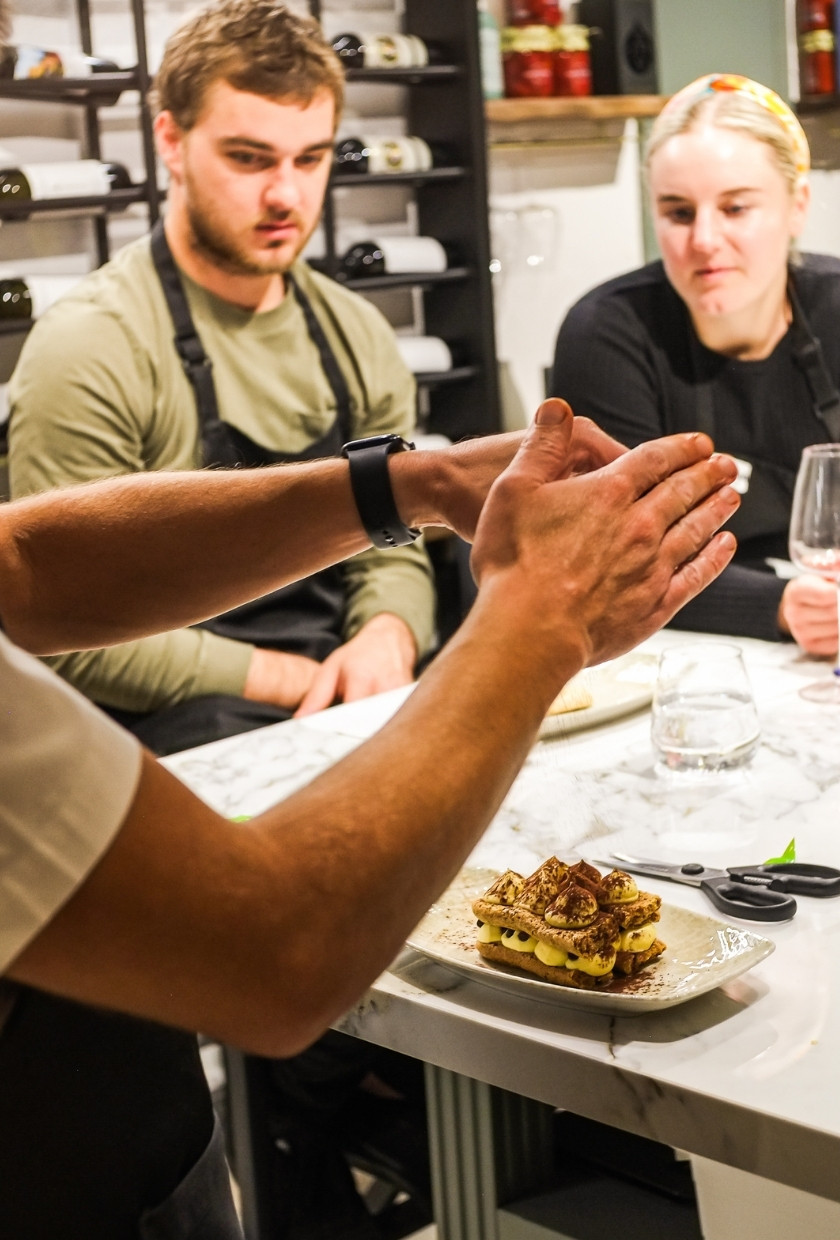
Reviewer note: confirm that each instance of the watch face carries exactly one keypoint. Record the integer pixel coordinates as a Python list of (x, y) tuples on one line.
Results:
[(391, 443)]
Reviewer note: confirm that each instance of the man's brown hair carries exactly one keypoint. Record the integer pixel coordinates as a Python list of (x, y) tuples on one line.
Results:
[(253, 45)]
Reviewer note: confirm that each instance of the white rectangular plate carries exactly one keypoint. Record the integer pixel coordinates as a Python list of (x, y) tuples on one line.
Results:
[(618, 688), (702, 953)]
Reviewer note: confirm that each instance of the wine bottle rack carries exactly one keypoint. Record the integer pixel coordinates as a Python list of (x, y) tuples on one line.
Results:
[(445, 107), (96, 90), (362, 179), (407, 279), (90, 94), (409, 77), (117, 200)]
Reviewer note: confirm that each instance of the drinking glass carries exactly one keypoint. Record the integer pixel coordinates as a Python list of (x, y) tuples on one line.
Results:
[(815, 537), (704, 716)]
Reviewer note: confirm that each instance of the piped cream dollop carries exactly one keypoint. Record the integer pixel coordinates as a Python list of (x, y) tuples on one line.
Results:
[(617, 887), (639, 939), (519, 941), (574, 908)]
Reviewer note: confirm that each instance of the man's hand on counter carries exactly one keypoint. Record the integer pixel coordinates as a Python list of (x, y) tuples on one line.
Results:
[(381, 656), (279, 677)]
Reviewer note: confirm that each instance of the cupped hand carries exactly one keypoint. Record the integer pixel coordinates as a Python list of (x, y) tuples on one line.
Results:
[(808, 612), (471, 467), (603, 559), (379, 657)]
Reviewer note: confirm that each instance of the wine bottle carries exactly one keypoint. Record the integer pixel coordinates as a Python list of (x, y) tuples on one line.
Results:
[(394, 256), (362, 260), (29, 297), (384, 51), (375, 155), (24, 60), (79, 178), (425, 354)]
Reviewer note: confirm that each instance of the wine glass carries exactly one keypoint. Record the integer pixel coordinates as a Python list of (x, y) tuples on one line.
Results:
[(815, 537)]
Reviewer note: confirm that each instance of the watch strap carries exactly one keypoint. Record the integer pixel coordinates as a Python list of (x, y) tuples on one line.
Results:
[(371, 484)]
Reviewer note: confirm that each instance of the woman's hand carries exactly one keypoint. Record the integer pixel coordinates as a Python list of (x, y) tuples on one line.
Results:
[(808, 612)]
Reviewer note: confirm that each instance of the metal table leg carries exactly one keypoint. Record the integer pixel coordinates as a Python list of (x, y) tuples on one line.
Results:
[(487, 1146)]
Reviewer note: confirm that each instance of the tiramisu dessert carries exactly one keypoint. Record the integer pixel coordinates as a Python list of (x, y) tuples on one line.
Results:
[(569, 924)]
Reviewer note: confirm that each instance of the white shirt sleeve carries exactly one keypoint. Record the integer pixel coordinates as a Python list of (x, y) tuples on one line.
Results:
[(68, 775)]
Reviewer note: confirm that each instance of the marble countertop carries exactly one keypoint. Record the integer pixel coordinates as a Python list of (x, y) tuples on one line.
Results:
[(746, 1075)]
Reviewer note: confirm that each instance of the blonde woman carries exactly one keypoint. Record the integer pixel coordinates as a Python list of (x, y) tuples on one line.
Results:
[(732, 332)]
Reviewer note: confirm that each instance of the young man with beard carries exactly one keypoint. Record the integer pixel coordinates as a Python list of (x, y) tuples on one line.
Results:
[(213, 343)]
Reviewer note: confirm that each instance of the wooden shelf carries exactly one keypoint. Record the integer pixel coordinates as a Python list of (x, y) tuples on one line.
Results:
[(590, 107), (809, 104)]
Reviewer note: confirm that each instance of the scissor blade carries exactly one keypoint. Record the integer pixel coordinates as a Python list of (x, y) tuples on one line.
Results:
[(641, 865)]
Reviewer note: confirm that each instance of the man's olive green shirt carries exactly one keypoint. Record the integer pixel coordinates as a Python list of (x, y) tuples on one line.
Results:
[(100, 391)]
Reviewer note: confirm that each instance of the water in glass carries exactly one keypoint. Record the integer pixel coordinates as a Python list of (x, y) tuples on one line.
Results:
[(704, 716)]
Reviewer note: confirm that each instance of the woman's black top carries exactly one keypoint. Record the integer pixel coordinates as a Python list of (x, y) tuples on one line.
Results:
[(628, 357)]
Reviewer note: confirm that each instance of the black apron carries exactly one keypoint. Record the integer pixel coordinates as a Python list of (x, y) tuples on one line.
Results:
[(304, 618), (771, 484), (106, 1129)]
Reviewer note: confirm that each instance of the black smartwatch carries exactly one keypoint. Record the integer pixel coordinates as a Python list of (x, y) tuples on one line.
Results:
[(372, 492)]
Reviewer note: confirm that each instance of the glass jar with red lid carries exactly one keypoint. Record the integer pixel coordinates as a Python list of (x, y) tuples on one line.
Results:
[(528, 61), (572, 68), (534, 12)]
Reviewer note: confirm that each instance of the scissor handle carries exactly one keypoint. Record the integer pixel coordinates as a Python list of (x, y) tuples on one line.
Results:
[(750, 903), (793, 876)]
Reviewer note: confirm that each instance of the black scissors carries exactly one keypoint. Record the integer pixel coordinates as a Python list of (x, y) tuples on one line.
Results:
[(752, 892)]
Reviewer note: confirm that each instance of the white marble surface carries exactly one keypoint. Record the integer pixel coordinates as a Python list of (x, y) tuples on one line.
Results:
[(747, 1075)]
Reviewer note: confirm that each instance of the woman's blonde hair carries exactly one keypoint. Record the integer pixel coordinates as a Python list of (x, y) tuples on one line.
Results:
[(731, 102)]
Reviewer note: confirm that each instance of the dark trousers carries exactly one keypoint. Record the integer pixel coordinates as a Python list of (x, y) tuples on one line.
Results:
[(198, 721), (106, 1129)]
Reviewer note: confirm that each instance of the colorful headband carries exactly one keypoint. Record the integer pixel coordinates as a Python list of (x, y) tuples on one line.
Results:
[(733, 83)]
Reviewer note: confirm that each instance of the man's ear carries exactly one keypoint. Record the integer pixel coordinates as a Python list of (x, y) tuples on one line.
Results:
[(169, 137)]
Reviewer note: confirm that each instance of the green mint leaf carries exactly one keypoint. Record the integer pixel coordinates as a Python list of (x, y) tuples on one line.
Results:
[(788, 855)]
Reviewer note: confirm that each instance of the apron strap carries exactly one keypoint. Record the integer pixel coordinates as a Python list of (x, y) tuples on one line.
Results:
[(329, 362), (196, 363), (808, 355), (199, 368)]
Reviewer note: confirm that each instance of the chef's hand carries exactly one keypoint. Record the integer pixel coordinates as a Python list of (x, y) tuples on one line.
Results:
[(603, 559), (280, 678), (808, 612), (465, 472), (379, 657)]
